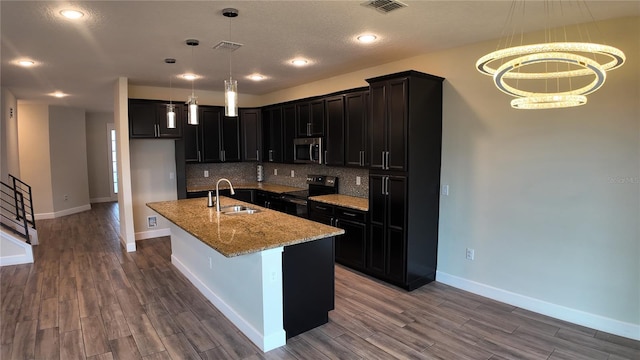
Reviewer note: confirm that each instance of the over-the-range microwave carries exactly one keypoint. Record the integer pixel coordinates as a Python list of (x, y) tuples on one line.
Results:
[(307, 150)]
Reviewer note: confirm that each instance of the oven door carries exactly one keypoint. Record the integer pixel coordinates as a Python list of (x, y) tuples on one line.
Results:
[(295, 206), (307, 151)]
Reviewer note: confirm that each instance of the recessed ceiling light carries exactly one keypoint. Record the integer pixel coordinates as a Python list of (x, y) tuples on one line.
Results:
[(189, 76), (367, 38), (58, 94), (256, 77), (26, 63), (299, 62), (72, 14)]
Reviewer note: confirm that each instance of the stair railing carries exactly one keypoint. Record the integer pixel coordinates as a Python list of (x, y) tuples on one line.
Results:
[(13, 211), (24, 190)]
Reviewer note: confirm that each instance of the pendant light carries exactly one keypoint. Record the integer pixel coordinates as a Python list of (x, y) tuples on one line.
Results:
[(231, 85), (192, 101), (171, 109)]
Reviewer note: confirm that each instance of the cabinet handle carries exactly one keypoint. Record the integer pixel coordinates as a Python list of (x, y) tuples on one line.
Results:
[(335, 223), (270, 155), (199, 159), (308, 129), (224, 155), (386, 160), (325, 155), (383, 167), (155, 130), (257, 155), (348, 214), (321, 207)]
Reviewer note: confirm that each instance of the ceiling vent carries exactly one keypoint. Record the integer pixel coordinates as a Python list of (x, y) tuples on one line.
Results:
[(384, 6), (227, 46)]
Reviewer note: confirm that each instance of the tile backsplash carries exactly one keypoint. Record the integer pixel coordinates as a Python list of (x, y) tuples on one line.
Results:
[(246, 172)]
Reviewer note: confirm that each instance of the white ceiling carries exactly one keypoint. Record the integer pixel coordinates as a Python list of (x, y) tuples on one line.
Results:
[(132, 39)]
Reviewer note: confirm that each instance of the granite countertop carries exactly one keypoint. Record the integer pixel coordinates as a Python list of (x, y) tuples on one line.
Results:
[(274, 188), (234, 235), (344, 201)]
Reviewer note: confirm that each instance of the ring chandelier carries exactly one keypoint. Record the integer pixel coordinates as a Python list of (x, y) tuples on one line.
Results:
[(509, 63)]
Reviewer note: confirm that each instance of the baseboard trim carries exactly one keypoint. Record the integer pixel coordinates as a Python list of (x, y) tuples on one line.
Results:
[(264, 343), (594, 321), (65, 212), (150, 234), (103, 200), (130, 247)]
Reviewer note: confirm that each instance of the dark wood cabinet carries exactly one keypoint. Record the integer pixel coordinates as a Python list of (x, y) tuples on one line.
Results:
[(350, 248), (148, 120), (216, 138), (289, 132), (250, 121), (404, 180), (310, 117), (334, 136), (356, 129), (272, 134)]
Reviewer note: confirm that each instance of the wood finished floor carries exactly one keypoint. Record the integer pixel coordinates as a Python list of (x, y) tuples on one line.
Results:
[(86, 298)]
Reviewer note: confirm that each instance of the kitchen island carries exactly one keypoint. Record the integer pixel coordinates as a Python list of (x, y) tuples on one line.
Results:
[(269, 273)]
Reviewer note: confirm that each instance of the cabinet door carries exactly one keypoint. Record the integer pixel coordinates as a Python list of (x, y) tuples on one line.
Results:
[(395, 228), (355, 129), (230, 136), (210, 119), (377, 125), (377, 218), (191, 138), (350, 247), (161, 120), (251, 136), (317, 118), (397, 117), (142, 119), (289, 132), (272, 140), (334, 146), (303, 122)]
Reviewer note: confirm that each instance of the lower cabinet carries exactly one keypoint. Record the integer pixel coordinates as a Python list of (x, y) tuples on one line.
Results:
[(269, 200), (351, 247)]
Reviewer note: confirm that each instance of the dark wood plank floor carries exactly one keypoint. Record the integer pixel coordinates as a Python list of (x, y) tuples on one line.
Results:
[(86, 298)]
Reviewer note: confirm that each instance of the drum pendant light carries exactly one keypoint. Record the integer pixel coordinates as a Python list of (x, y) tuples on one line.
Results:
[(192, 101)]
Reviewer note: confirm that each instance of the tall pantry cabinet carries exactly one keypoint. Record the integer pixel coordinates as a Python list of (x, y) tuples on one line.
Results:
[(404, 177)]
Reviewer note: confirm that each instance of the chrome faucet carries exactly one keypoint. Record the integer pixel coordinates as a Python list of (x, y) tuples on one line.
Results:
[(218, 192)]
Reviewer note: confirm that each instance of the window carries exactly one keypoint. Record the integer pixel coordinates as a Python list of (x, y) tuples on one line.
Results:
[(113, 159)]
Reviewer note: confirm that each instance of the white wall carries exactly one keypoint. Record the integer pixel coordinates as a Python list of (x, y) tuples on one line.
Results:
[(9, 150), (125, 197), (68, 150), (152, 179), (98, 157), (35, 164)]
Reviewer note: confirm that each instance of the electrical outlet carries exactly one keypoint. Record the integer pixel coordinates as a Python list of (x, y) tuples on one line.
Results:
[(152, 221), (206, 173), (471, 254), (358, 180), (172, 175), (66, 197), (293, 174), (275, 171)]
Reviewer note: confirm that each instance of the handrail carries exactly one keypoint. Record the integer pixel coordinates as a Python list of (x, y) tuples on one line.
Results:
[(12, 208), (22, 187)]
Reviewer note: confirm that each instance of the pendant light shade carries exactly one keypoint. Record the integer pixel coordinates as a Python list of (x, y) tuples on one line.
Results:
[(231, 97), (171, 116), (192, 115)]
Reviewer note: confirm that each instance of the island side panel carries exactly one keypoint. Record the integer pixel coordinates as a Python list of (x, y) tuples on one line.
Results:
[(309, 285), (247, 289)]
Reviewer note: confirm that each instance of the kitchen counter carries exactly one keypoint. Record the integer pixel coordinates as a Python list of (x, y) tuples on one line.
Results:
[(344, 201), (234, 235), (274, 188)]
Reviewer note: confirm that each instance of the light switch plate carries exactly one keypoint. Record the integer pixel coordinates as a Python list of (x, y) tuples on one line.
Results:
[(358, 180), (445, 190), (293, 174)]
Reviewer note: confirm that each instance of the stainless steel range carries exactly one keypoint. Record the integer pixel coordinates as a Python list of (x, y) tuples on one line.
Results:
[(296, 201)]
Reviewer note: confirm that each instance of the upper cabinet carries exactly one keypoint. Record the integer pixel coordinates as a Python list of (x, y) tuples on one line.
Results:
[(311, 118), (251, 122), (356, 130), (334, 139), (272, 134), (216, 138), (388, 120), (148, 120)]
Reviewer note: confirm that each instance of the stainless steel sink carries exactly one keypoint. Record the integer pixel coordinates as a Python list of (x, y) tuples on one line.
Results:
[(237, 210)]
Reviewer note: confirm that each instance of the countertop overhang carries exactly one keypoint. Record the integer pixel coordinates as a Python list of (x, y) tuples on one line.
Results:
[(235, 235)]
